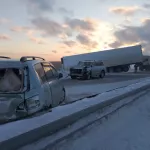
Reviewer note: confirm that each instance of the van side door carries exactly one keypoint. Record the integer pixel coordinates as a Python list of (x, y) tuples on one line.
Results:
[(53, 82), (43, 88)]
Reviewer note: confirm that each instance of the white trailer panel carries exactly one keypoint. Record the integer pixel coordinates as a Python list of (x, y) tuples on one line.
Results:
[(114, 57)]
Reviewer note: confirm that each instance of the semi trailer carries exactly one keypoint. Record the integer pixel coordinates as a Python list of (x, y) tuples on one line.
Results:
[(115, 60)]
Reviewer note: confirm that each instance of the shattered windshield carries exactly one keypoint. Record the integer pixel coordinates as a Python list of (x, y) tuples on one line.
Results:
[(11, 80), (84, 64)]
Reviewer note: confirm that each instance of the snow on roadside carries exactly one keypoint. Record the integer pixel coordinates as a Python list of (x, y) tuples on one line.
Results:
[(81, 91), (49, 141), (19, 127), (127, 129)]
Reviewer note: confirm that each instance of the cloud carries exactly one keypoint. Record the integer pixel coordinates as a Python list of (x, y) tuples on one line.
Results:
[(4, 37), (54, 51), (86, 41), (69, 43), (20, 29), (70, 28), (23, 29), (47, 26), (36, 7), (125, 10), (128, 35), (63, 10), (81, 24), (115, 44), (146, 5), (133, 34), (63, 36), (29, 32), (67, 51), (63, 31), (4, 21), (37, 40)]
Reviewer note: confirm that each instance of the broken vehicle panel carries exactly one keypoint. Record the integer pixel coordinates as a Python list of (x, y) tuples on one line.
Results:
[(12, 106), (11, 80), (13, 83)]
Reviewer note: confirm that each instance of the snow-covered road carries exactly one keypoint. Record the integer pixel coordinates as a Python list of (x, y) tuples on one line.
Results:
[(77, 92), (126, 129), (78, 89)]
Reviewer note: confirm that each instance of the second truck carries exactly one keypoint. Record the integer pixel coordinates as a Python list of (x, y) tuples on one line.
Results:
[(115, 60)]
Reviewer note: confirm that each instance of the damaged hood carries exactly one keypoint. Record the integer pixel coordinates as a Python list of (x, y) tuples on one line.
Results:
[(76, 67), (79, 67)]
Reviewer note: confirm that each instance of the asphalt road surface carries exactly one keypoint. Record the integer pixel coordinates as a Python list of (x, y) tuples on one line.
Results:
[(109, 78)]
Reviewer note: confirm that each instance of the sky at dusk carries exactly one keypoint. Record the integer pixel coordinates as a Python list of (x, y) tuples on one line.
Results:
[(56, 28)]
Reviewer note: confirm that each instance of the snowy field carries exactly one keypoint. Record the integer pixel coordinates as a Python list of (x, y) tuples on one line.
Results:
[(126, 129)]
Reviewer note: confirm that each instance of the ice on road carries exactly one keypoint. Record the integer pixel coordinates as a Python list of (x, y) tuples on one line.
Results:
[(81, 91), (126, 129)]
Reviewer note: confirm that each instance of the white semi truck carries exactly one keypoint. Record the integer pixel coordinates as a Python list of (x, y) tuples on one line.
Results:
[(115, 60)]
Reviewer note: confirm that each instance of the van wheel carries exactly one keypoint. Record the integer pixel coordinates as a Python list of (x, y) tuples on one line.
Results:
[(102, 74), (126, 69), (87, 77)]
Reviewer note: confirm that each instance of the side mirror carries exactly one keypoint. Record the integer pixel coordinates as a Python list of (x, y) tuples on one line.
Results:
[(60, 75)]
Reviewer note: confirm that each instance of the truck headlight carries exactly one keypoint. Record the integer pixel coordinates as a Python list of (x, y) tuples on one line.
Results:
[(33, 102)]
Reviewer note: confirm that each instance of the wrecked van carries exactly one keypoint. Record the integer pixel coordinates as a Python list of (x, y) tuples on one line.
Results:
[(27, 86)]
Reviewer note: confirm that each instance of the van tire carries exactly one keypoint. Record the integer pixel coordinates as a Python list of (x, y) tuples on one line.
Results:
[(87, 76)]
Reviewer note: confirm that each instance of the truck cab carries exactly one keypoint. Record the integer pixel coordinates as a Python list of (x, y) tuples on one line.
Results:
[(88, 69)]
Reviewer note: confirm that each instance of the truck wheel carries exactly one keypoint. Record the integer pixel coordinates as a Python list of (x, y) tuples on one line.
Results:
[(73, 77), (87, 77), (141, 68), (126, 69), (102, 75)]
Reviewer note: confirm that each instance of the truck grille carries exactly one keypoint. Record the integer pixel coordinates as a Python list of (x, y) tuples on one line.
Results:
[(78, 71)]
